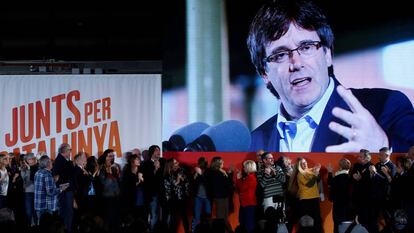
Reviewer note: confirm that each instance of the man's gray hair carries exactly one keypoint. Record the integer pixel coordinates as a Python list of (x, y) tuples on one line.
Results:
[(63, 147), (44, 162)]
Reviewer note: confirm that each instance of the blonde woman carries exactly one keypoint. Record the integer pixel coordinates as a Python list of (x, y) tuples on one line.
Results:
[(306, 179), (246, 186)]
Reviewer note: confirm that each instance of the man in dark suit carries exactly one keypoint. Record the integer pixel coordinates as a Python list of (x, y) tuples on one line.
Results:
[(291, 44), (64, 171)]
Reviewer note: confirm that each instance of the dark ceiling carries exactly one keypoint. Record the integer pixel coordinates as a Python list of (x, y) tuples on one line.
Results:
[(155, 30), (84, 31)]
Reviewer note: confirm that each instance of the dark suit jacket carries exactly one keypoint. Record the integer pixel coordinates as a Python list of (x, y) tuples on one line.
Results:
[(392, 109), (66, 171)]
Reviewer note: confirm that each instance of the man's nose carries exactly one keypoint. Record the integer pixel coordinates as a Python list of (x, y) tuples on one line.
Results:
[(295, 61)]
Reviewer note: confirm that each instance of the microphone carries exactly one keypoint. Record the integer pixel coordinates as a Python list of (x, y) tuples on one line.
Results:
[(227, 136), (182, 136)]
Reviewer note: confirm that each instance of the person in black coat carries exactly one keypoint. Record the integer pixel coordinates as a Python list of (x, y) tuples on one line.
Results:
[(63, 170), (340, 186)]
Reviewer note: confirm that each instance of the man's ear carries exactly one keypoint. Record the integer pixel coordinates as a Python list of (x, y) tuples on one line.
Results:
[(328, 57), (265, 79)]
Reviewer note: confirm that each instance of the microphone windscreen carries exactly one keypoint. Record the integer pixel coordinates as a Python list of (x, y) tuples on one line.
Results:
[(182, 136), (229, 136)]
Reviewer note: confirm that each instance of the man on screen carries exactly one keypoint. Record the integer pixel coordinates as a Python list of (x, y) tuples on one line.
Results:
[(291, 45)]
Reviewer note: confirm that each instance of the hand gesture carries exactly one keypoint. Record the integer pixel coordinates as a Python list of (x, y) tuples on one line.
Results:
[(329, 168), (357, 176), (239, 174), (316, 169), (385, 170), (197, 170), (180, 177), (231, 168), (267, 170), (25, 165), (364, 130), (156, 164), (140, 177), (223, 172), (372, 169), (15, 176)]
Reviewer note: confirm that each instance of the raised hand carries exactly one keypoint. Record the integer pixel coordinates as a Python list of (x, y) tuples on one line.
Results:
[(364, 132)]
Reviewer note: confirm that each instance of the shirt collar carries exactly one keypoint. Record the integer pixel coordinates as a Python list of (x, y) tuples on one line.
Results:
[(384, 163), (313, 117), (341, 172)]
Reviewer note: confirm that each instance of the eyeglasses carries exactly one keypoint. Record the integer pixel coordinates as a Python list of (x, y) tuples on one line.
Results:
[(307, 49)]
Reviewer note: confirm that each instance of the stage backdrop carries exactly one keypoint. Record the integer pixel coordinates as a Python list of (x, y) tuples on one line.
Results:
[(90, 112)]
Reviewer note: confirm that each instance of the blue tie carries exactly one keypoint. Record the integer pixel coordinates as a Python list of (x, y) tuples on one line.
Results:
[(311, 122), (289, 127)]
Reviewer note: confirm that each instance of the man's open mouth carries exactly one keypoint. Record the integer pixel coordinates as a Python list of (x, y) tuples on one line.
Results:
[(301, 81)]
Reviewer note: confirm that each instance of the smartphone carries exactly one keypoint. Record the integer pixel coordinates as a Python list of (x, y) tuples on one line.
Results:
[(64, 186)]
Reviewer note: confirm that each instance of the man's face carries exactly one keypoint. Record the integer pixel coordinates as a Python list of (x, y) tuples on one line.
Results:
[(81, 161), (361, 159), (67, 152), (300, 81), (382, 156), (49, 165), (31, 161), (269, 160)]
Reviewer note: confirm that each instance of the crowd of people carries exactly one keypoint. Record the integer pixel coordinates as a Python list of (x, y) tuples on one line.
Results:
[(153, 194)]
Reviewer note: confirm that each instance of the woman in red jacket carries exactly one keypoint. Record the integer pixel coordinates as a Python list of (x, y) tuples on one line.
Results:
[(246, 186)]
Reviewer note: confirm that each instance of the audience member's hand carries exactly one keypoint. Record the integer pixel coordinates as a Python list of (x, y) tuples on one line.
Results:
[(357, 176), (364, 132), (197, 170), (156, 164), (75, 204), (223, 172), (25, 165), (372, 169), (140, 177), (329, 168), (180, 177), (231, 168), (239, 174), (385, 170), (316, 168), (15, 176)]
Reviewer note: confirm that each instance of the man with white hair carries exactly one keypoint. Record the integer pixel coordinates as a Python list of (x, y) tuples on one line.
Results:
[(64, 169)]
